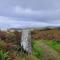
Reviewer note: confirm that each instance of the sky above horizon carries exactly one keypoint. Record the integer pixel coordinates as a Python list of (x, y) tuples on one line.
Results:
[(29, 13)]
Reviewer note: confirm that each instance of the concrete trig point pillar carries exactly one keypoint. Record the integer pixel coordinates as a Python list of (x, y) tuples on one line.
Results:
[(26, 40)]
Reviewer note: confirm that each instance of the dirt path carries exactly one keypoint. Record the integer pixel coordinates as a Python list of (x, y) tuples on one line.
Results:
[(26, 57), (50, 54)]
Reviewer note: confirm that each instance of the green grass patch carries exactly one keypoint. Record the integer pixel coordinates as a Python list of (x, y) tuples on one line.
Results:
[(37, 51), (54, 44)]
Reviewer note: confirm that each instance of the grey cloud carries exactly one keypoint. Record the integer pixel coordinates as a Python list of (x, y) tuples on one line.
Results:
[(38, 14), (37, 10)]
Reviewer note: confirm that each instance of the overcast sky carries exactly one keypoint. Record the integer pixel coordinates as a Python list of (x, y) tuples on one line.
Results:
[(29, 13)]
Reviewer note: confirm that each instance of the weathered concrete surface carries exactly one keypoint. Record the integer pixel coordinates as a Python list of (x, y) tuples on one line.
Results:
[(26, 40)]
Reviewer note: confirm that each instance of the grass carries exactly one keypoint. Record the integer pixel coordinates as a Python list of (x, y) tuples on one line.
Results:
[(53, 44), (14, 55), (3, 55), (37, 51)]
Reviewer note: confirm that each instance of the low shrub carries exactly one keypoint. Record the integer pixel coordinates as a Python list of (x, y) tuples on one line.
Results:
[(3, 55)]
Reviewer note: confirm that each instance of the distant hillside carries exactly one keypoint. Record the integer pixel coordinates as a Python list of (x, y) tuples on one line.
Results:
[(50, 34), (46, 34)]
